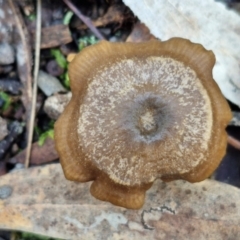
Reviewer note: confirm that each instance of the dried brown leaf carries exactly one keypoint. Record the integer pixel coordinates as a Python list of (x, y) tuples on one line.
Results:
[(40, 200), (54, 36), (39, 154), (140, 33)]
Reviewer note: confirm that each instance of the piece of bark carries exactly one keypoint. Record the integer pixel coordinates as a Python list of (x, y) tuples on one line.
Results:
[(140, 33), (39, 154), (54, 36), (40, 200)]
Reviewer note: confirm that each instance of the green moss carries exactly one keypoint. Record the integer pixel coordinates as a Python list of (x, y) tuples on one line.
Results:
[(86, 41), (7, 100)]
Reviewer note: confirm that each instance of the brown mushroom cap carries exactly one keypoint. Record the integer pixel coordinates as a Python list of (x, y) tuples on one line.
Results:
[(141, 111)]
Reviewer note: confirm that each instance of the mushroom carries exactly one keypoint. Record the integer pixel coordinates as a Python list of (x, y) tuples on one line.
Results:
[(141, 111)]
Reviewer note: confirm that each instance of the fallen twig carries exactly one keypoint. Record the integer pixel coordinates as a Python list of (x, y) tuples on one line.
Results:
[(234, 142), (85, 19), (35, 76)]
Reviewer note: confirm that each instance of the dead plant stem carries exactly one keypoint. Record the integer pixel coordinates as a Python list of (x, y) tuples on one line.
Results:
[(234, 142), (35, 76), (85, 19)]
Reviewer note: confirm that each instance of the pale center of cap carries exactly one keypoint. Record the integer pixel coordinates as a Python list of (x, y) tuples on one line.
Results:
[(147, 122), (155, 111)]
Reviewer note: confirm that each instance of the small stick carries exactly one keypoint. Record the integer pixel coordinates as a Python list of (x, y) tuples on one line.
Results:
[(233, 142), (35, 76), (85, 19)]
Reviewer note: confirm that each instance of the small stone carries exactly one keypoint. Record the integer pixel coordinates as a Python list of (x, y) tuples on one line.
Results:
[(6, 54), (3, 128), (235, 120), (54, 69), (55, 105), (49, 84)]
